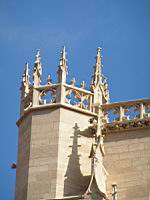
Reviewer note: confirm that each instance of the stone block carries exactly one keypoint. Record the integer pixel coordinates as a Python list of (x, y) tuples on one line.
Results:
[(130, 169), (137, 146)]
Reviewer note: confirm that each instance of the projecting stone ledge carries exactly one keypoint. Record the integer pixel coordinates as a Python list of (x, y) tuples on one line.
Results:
[(68, 197), (85, 197)]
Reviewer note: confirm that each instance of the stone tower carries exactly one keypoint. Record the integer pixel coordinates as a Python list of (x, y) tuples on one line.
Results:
[(62, 127), (60, 138)]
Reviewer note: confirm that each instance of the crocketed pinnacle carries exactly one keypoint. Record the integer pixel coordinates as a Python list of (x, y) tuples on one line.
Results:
[(25, 76), (37, 72), (63, 60), (98, 57), (25, 80), (64, 52), (37, 57), (96, 78)]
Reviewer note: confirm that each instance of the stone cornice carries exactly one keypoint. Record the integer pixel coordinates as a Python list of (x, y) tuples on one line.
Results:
[(55, 105), (68, 197)]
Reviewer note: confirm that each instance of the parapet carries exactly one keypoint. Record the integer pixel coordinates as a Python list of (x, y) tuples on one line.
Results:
[(95, 100)]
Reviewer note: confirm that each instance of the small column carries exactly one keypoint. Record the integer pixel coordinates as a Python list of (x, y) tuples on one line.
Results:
[(142, 110), (62, 75), (37, 73), (90, 103), (114, 192), (121, 113), (25, 87), (99, 124)]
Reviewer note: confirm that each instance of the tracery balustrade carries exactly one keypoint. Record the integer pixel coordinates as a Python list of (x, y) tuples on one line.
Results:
[(78, 97), (48, 95), (73, 96), (116, 116), (126, 114)]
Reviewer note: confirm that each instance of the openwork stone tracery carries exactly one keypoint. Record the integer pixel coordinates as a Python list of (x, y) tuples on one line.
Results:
[(115, 116)]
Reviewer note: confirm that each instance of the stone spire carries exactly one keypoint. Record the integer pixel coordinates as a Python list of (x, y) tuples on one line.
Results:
[(96, 83), (37, 72), (99, 84), (25, 80), (97, 76), (62, 68)]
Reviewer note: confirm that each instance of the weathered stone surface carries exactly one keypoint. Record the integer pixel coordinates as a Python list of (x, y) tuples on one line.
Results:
[(128, 162), (53, 158), (23, 159)]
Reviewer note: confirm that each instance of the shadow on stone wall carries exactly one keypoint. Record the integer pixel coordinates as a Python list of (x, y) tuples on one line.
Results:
[(75, 183)]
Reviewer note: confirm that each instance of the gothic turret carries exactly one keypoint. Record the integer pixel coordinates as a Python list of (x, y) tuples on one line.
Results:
[(52, 114), (62, 156)]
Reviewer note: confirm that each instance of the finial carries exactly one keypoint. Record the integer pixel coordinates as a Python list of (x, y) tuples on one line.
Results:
[(37, 72), (82, 84), (73, 82), (64, 52), (97, 76), (37, 57), (63, 60), (49, 80), (25, 76), (98, 57)]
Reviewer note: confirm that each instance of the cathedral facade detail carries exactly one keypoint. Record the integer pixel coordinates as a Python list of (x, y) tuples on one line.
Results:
[(75, 144)]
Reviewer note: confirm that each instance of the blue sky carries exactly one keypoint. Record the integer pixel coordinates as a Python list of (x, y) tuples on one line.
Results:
[(121, 28)]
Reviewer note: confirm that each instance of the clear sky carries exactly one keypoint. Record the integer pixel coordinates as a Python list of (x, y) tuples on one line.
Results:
[(120, 27)]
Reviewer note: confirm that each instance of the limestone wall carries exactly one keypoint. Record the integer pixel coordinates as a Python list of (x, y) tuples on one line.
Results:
[(53, 157), (127, 161), (43, 154), (74, 164), (23, 159)]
